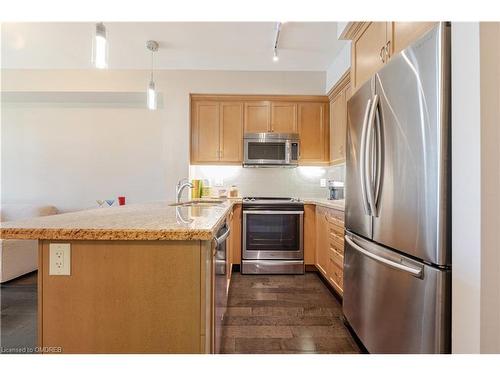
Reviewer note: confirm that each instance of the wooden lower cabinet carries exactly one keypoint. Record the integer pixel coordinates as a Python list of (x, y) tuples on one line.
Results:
[(321, 240), (330, 245), (309, 234), (128, 297), (236, 235)]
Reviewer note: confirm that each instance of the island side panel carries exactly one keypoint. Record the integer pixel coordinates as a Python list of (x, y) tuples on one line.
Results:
[(207, 272), (39, 330), (123, 297)]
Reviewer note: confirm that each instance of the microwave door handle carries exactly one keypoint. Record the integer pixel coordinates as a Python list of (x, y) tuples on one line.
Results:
[(368, 160), (362, 150), (288, 152)]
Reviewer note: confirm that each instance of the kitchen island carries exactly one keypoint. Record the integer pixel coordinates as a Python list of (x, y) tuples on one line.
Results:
[(141, 277)]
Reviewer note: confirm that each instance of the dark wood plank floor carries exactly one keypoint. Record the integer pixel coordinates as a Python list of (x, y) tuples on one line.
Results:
[(274, 314), (18, 309)]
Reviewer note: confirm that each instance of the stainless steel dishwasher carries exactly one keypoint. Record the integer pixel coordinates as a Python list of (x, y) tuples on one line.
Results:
[(220, 287)]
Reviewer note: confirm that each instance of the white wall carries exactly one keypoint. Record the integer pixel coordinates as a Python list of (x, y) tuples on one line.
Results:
[(339, 66), (70, 154), (476, 188), (466, 194), (490, 187)]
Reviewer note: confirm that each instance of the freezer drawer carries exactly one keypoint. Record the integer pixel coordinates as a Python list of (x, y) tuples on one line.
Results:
[(393, 303)]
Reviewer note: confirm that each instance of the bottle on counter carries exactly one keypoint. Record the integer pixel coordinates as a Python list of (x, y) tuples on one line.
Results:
[(196, 189), (206, 190), (233, 192)]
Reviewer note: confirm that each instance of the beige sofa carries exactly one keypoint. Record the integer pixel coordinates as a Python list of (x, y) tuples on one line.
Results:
[(18, 257)]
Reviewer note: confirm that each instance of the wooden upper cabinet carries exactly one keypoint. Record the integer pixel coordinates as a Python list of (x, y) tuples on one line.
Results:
[(338, 122), (231, 132), (313, 133), (257, 117), (219, 122), (374, 43), (216, 132), (284, 117), (404, 33), (368, 52), (205, 132)]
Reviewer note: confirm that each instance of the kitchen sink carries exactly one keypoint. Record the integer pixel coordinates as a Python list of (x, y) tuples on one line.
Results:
[(197, 203)]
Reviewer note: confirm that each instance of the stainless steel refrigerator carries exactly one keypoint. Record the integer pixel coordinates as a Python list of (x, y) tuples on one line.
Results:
[(397, 262)]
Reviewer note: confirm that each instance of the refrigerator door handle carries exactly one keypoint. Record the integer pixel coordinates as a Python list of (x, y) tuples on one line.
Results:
[(378, 156), (362, 165), (414, 271), (368, 154)]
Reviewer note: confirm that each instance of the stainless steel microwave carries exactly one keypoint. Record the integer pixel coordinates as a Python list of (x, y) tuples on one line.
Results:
[(271, 149)]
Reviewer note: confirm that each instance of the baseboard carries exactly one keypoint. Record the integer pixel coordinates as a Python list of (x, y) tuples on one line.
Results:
[(236, 268), (313, 268)]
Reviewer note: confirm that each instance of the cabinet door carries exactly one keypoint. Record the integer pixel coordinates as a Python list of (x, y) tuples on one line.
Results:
[(313, 133), (257, 117), (231, 132), (367, 56), (236, 233), (309, 234), (205, 132), (322, 242), (405, 33), (338, 118), (284, 117)]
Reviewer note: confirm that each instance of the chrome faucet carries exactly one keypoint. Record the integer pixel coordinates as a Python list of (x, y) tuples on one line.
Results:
[(179, 188)]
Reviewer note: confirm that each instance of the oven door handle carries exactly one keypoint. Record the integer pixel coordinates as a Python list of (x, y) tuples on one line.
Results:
[(270, 212)]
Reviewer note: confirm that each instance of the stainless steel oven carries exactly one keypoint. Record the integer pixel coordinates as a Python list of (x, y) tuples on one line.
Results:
[(271, 149), (273, 239)]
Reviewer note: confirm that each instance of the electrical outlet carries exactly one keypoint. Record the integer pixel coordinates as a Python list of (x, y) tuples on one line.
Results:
[(322, 182), (219, 182), (59, 259)]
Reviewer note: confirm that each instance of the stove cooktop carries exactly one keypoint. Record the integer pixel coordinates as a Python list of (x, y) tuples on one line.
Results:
[(272, 200)]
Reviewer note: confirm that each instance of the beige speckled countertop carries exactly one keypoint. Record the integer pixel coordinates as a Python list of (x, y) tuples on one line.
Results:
[(335, 204), (150, 221)]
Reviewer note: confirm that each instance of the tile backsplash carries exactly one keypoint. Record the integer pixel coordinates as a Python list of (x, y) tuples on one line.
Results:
[(302, 182)]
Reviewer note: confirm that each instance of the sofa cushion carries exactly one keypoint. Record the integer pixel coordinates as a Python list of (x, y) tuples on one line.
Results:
[(12, 212)]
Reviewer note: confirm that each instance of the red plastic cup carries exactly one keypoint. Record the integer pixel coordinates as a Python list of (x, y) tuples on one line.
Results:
[(121, 201)]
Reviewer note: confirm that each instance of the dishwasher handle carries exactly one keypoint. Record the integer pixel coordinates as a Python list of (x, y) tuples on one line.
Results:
[(220, 240)]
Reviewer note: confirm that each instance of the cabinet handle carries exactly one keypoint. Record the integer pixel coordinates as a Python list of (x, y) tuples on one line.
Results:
[(381, 54), (388, 49)]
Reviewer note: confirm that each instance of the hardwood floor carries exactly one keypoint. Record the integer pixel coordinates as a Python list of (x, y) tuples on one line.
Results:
[(275, 314), (18, 309), (269, 314)]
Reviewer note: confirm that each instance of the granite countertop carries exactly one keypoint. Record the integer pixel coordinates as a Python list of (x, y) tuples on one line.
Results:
[(150, 221), (335, 204)]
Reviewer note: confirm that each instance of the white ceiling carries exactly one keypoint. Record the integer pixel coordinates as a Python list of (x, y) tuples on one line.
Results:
[(303, 46)]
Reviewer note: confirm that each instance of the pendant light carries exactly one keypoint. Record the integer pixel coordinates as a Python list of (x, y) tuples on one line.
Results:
[(152, 46), (100, 47), (276, 41)]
